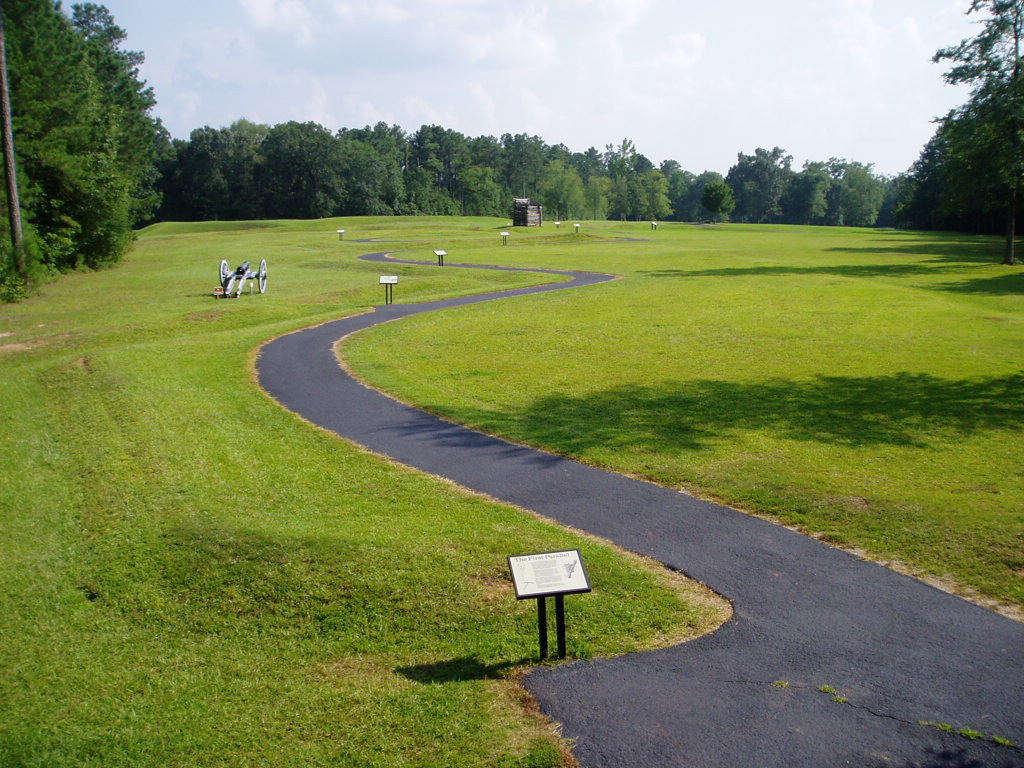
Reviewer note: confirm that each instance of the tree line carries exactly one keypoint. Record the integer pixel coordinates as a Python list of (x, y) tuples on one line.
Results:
[(303, 170), (969, 174), (86, 143), (93, 162)]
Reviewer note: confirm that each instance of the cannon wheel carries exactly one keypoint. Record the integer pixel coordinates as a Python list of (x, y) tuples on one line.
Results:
[(225, 273), (263, 276)]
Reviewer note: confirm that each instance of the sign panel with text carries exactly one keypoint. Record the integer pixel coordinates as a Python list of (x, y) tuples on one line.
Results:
[(549, 573)]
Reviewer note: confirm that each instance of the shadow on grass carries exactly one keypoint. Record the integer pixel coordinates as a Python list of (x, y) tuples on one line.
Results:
[(954, 249), (834, 270), (946, 256), (1003, 285), (903, 409), (458, 670)]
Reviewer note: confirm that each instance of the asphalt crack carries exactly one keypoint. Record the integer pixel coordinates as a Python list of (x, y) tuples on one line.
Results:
[(965, 732)]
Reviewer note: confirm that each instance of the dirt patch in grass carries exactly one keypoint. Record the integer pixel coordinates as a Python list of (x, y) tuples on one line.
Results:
[(855, 502), (207, 316), (15, 346), (495, 584)]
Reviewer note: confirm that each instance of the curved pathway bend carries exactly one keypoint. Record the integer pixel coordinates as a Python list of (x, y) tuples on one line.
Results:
[(807, 615)]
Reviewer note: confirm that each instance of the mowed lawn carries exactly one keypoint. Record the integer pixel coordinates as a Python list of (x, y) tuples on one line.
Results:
[(190, 575), (866, 386)]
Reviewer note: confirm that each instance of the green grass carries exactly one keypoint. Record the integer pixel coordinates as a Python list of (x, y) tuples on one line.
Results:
[(867, 386), (191, 575)]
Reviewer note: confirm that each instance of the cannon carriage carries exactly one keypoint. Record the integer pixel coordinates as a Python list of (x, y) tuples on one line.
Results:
[(235, 281)]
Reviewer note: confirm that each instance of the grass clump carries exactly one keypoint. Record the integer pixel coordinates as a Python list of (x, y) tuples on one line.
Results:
[(969, 733)]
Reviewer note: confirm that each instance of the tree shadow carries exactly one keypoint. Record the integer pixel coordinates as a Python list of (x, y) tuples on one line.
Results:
[(980, 756), (966, 250), (902, 409), (946, 255), (458, 670), (835, 270), (1002, 285)]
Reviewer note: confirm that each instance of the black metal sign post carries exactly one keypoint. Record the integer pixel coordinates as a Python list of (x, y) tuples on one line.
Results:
[(542, 623), (440, 257), (546, 574), (560, 624)]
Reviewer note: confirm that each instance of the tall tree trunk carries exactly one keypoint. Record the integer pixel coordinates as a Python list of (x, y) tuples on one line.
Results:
[(13, 201), (1011, 227)]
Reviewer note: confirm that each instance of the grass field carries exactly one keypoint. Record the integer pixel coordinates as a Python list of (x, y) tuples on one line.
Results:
[(191, 575), (866, 386)]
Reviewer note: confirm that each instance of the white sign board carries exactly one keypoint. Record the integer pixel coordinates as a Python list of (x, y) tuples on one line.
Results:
[(549, 573), (388, 279), (504, 234), (440, 253)]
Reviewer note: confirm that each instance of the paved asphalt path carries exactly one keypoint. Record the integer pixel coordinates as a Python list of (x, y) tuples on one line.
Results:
[(900, 651)]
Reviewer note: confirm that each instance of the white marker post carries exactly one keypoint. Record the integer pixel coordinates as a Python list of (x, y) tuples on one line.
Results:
[(544, 574), (440, 257), (577, 228), (341, 234), (389, 282)]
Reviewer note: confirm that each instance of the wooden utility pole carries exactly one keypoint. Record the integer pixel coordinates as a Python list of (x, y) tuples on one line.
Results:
[(10, 168)]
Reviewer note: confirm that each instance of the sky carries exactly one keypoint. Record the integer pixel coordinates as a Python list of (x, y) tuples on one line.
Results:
[(695, 82)]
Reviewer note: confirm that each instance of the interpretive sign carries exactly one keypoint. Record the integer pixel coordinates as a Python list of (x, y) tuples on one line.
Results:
[(440, 257), (543, 574), (389, 282), (549, 573)]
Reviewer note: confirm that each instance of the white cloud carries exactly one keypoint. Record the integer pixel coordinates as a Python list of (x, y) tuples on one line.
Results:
[(683, 53), (618, 12), (319, 105), (388, 13), (188, 103), (487, 106), (291, 15), (421, 112)]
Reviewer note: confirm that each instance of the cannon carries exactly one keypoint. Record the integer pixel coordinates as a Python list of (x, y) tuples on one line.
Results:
[(237, 280)]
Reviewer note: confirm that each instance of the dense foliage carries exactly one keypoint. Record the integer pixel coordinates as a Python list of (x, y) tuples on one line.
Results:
[(302, 170), (85, 140), (969, 175)]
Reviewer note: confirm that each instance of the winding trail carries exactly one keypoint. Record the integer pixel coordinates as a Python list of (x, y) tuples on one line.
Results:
[(807, 615)]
